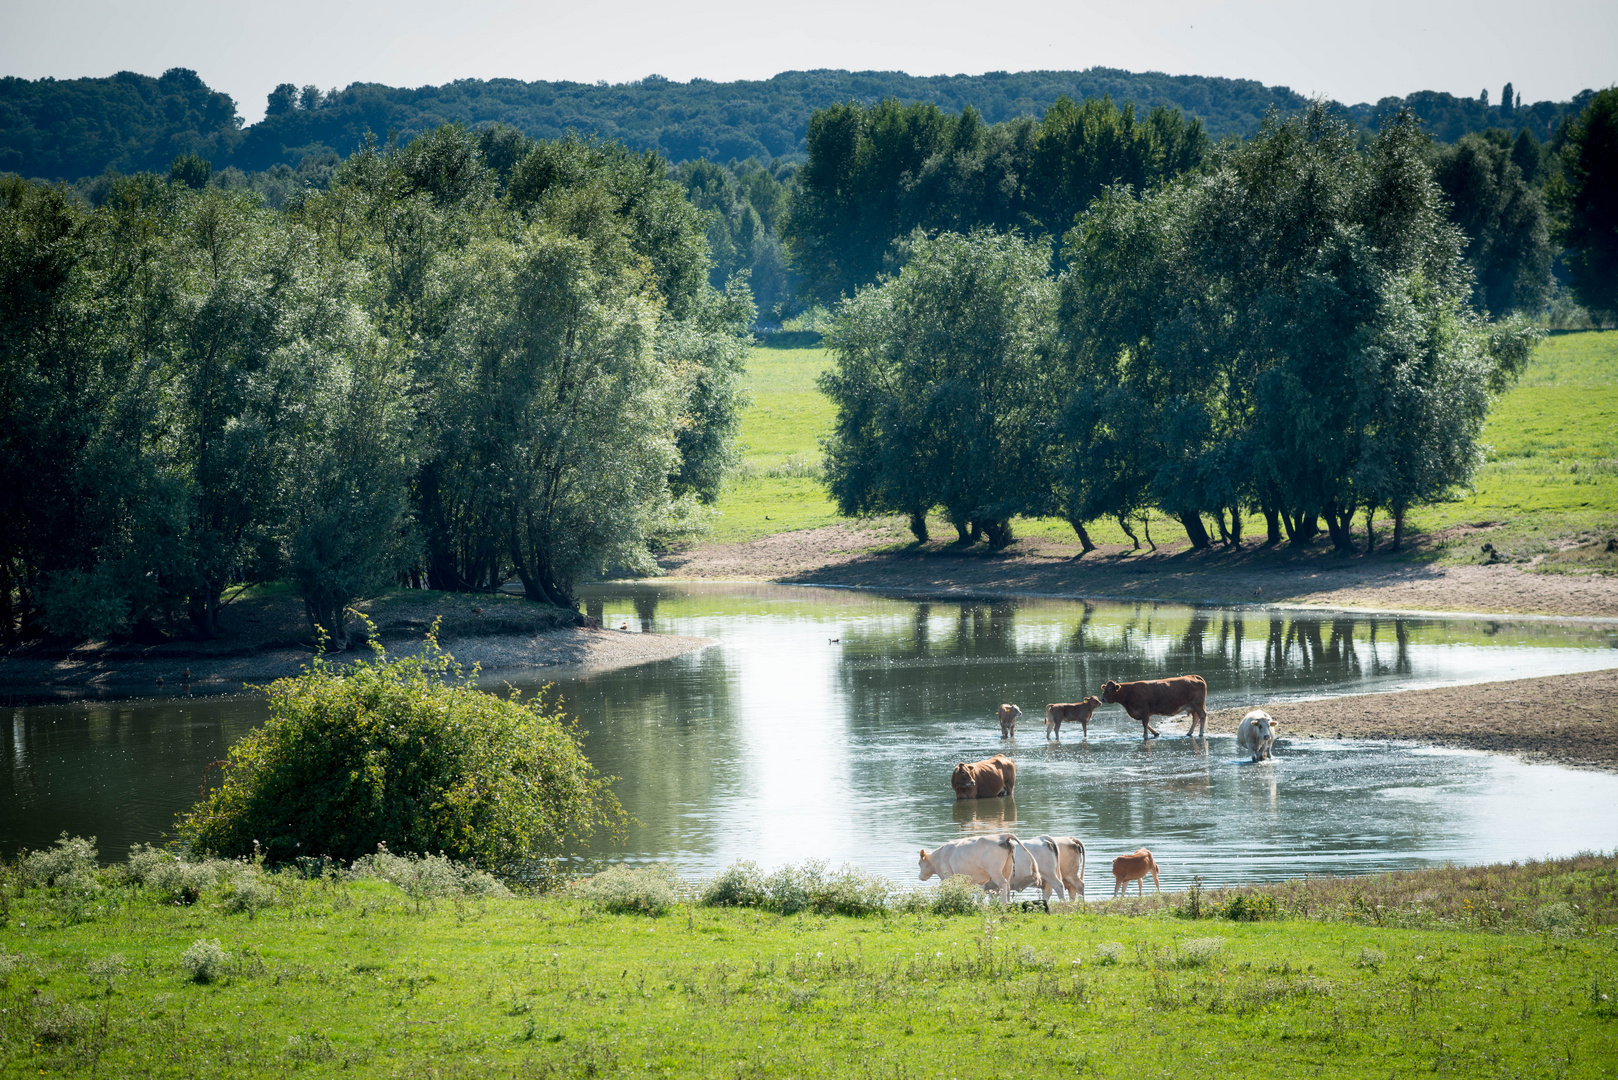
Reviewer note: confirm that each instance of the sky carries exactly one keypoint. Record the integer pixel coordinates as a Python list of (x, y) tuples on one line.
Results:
[(1350, 52)]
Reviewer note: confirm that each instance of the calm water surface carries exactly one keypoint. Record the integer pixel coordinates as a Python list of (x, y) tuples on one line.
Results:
[(781, 743)]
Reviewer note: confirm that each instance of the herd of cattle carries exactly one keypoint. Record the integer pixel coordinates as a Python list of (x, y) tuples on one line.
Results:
[(1055, 864)]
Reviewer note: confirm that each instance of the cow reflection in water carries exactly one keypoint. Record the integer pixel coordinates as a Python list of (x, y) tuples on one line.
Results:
[(985, 815)]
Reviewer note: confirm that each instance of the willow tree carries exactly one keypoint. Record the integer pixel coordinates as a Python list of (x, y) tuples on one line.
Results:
[(940, 389)]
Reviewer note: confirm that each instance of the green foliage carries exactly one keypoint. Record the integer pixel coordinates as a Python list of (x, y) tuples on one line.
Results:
[(877, 174), (1287, 332), (204, 960), (1589, 202), (1508, 240), (393, 752), (940, 386)]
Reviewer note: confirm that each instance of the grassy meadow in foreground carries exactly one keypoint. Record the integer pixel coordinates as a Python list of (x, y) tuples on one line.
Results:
[(1552, 473), (382, 976)]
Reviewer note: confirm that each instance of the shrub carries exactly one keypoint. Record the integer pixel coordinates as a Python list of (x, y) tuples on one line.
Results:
[(741, 884), (958, 895), (399, 751), (626, 890), (171, 879), (1249, 908), (106, 971), (204, 961), (1555, 918), (1109, 952), (427, 877), (1371, 958), (72, 856), (247, 891)]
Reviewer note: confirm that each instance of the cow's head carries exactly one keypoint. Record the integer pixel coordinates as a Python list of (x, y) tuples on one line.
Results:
[(1261, 725), (1109, 692), (966, 787), (1092, 701), (927, 869)]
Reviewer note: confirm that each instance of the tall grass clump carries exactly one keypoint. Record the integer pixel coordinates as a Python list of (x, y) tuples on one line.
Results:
[(409, 753), (957, 895)]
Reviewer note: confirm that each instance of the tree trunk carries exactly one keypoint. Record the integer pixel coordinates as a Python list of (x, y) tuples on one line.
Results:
[(8, 631), (1084, 537), (1146, 526), (1272, 526), (963, 535), (1398, 528), (977, 530), (1219, 523), (999, 532), (1370, 529), (918, 525), (1123, 523), (1338, 526), (1195, 530), (1236, 526)]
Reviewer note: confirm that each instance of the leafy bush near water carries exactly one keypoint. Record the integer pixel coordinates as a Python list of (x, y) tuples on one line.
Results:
[(397, 752)]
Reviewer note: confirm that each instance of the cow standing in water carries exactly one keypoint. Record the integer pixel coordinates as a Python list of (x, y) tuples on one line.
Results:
[(1078, 712), (1008, 720), (1161, 697)]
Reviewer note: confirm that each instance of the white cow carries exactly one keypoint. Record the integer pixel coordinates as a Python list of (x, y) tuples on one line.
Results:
[(1052, 864), (1256, 734), (987, 860)]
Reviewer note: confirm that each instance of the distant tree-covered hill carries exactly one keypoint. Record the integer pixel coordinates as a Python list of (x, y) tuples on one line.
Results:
[(67, 129)]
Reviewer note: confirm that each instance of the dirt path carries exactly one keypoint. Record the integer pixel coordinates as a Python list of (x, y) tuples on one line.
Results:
[(881, 557)]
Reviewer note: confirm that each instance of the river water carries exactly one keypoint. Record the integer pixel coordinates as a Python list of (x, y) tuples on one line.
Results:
[(826, 722)]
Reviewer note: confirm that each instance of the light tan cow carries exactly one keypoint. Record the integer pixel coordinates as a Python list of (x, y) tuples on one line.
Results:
[(1127, 868), (987, 860), (1053, 864), (1074, 712), (1256, 734), (1008, 719)]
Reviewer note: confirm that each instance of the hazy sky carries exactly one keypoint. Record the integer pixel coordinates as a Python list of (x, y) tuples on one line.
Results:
[(1358, 51)]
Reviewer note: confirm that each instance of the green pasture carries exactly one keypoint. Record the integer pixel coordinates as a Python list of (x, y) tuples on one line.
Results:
[(1551, 475), (331, 977)]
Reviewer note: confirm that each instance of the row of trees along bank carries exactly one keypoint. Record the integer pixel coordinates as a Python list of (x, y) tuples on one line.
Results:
[(474, 358), (1287, 330)]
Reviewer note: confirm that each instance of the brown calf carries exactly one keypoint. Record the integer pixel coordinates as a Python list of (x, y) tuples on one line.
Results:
[(1077, 712), (1127, 868), (1008, 719), (1161, 697)]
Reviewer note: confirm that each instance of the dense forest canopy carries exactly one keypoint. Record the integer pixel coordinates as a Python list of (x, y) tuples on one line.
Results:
[(470, 359), (71, 128)]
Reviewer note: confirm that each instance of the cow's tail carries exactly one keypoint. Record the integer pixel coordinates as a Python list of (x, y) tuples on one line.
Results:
[(1033, 866), (1082, 858)]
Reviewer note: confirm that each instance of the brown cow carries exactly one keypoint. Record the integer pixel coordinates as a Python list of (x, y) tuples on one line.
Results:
[(1127, 868), (1161, 697), (1008, 719), (987, 779), (1077, 712)]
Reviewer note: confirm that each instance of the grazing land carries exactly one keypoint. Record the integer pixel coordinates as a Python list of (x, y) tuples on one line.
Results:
[(410, 971), (1546, 501)]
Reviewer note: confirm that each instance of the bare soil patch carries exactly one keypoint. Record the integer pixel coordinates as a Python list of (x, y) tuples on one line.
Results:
[(877, 555)]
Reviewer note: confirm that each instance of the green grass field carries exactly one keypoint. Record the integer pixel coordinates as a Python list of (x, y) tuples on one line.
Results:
[(1551, 475), (275, 974)]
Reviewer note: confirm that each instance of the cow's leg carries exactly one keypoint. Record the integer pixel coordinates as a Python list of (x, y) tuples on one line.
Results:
[(1155, 883)]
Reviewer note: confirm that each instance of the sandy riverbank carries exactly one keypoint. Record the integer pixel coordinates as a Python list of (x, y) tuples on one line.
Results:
[(879, 556), (1567, 719)]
